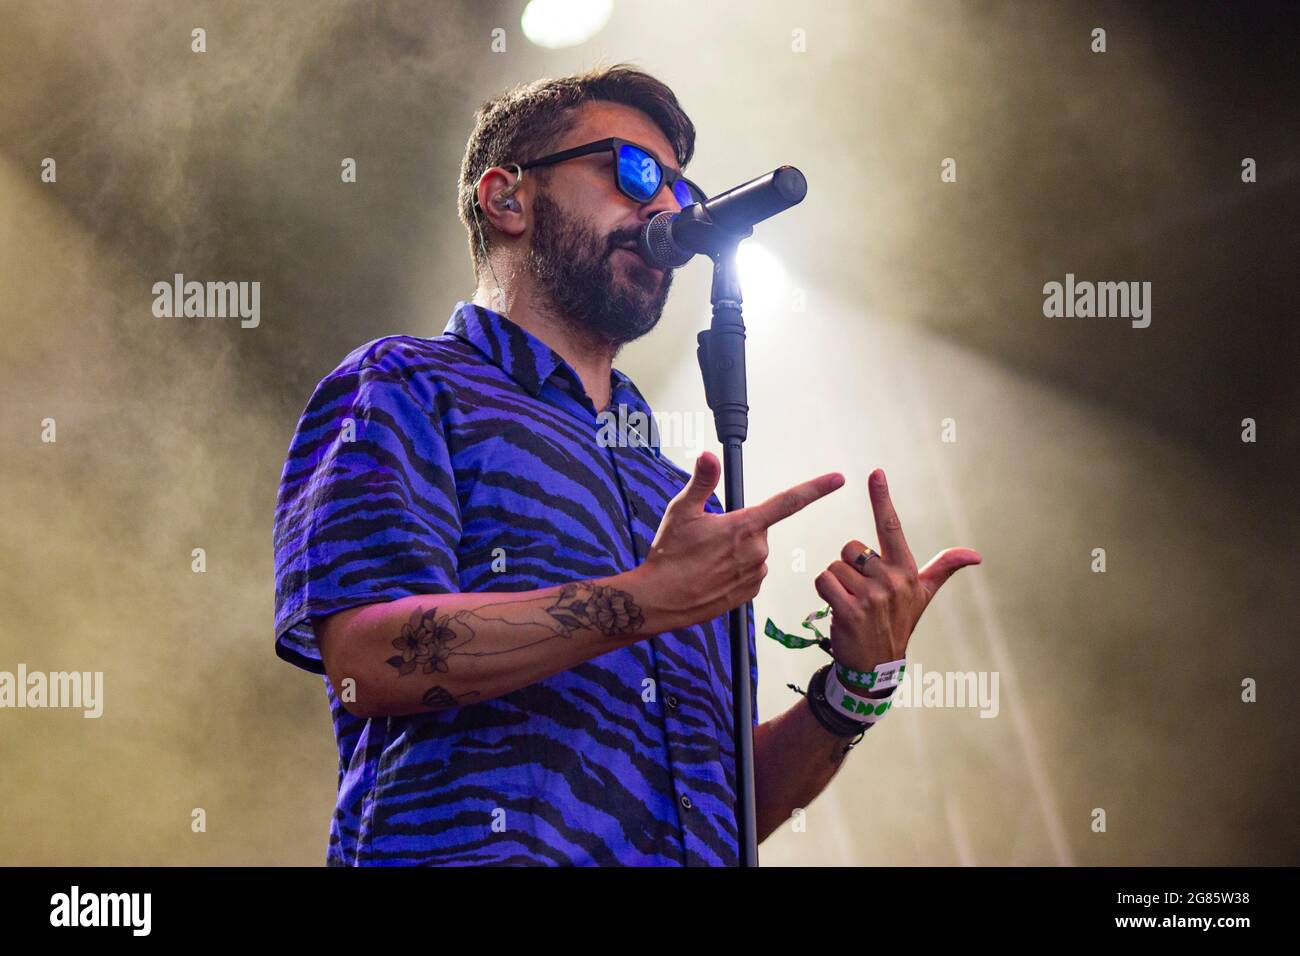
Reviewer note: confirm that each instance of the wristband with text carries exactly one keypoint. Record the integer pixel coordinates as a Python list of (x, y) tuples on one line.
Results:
[(864, 710), (880, 677)]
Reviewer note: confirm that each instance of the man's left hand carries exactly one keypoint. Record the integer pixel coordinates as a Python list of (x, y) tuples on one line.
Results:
[(875, 604)]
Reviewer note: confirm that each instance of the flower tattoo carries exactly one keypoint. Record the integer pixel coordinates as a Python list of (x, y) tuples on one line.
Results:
[(429, 638), (427, 641), (596, 607)]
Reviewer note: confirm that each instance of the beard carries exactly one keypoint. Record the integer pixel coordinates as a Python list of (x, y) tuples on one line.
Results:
[(597, 296)]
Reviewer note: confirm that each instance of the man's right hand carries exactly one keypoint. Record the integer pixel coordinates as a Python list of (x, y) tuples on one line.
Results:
[(701, 564)]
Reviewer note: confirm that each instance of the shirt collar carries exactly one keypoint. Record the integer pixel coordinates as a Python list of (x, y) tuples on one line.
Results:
[(519, 353), (526, 358)]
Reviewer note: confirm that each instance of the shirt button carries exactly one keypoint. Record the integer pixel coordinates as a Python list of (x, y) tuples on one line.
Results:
[(671, 701), (686, 802)]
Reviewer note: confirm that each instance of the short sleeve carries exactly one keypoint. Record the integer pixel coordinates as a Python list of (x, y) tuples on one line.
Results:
[(367, 508)]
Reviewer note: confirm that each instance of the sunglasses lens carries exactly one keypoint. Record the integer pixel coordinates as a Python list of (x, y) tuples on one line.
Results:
[(638, 173), (686, 194)]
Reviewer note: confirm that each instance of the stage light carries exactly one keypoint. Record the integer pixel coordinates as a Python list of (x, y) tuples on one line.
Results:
[(560, 23), (762, 276)]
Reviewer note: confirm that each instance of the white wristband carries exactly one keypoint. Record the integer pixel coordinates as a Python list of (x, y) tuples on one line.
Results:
[(880, 677), (864, 710)]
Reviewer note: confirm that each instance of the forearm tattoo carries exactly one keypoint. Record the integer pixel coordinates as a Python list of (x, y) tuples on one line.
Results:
[(433, 636)]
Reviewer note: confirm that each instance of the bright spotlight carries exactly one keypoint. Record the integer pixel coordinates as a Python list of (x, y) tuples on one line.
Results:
[(560, 23), (762, 276)]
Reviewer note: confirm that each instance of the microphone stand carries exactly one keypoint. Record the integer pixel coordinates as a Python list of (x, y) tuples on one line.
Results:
[(721, 354), (716, 227)]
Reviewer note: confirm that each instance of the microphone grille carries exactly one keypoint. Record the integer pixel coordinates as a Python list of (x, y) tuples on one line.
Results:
[(657, 246)]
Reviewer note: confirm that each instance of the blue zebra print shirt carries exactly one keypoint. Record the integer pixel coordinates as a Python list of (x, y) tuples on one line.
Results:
[(475, 445)]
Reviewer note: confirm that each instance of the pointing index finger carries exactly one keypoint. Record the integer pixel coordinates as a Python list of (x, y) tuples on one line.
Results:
[(785, 503)]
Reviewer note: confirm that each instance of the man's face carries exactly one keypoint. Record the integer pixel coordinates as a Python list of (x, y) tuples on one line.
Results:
[(581, 223)]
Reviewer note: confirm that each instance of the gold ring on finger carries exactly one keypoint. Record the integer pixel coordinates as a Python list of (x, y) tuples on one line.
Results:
[(861, 561)]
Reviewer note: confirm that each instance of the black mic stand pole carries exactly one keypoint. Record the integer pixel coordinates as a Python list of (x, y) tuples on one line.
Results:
[(721, 353), (716, 227)]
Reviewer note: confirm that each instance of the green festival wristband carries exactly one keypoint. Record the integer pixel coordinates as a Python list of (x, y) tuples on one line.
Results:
[(794, 640), (881, 677)]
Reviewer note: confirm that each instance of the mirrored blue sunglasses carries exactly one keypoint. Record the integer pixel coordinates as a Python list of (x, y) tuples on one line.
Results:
[(637, 172)]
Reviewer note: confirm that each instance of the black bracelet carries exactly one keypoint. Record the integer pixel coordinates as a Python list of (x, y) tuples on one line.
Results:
[(835, 723)]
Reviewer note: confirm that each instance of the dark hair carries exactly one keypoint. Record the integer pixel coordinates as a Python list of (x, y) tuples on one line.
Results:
[(526, 121)]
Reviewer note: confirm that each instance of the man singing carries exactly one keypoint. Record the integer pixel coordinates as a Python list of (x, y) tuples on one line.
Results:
[(522, 624)]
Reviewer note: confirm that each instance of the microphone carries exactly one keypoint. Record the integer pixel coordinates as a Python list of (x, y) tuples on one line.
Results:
[(671, 239)]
